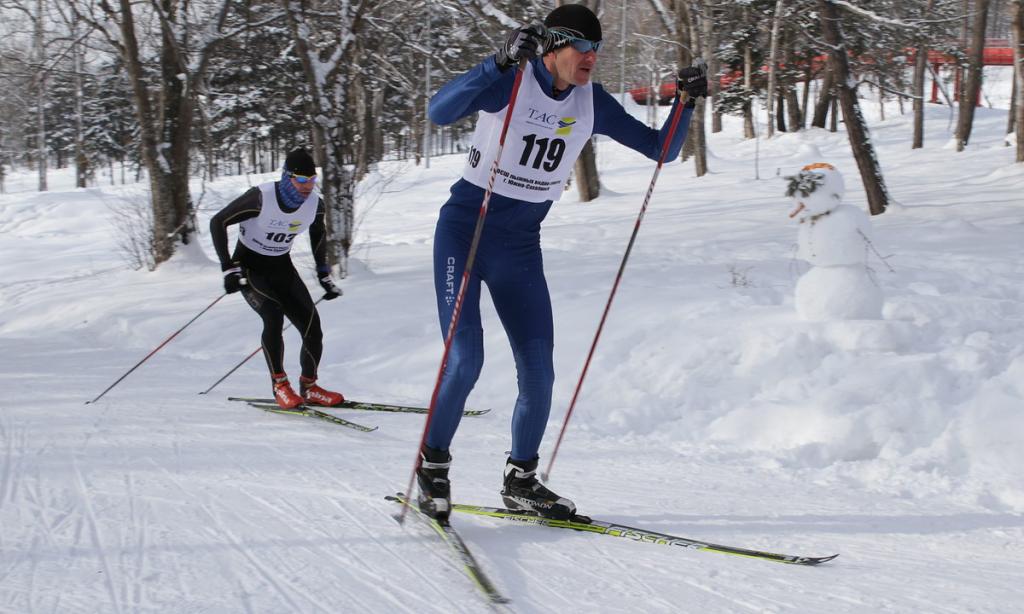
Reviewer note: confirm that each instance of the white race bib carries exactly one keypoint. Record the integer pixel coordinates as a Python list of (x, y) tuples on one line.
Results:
[(271, 232), (545, 137)]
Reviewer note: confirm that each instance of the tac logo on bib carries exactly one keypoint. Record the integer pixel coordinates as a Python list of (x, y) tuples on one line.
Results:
[(294, 225), (565, 126)]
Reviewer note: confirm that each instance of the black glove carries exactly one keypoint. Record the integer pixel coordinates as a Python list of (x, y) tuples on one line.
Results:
[(233, 280), (331, 290), (525, 42), (693, 80)]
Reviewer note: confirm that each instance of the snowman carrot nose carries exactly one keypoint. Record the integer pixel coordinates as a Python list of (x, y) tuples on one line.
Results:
[(797, 210)]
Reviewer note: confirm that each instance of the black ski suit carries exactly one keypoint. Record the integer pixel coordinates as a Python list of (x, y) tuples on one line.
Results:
[(274, 289)]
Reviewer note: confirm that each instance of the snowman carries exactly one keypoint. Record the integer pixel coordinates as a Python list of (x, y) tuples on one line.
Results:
[(834, 238)]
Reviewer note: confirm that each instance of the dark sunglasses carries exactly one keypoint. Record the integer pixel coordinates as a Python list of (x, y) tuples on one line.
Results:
[(583, 45), (303, 178), (561, 36)]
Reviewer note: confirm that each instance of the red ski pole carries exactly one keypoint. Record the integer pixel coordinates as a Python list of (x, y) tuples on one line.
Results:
[(618, 277), (470, 258), (166, 341)]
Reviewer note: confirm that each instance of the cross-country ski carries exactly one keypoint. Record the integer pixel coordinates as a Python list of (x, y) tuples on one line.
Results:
[(586, 524), (460, 551), (366, 406), (312, 412)]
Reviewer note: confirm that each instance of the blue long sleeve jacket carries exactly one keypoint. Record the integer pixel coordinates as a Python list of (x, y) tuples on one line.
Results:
[(486, 88)]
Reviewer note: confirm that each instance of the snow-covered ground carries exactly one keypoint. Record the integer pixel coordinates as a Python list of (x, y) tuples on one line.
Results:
[(710, 410)]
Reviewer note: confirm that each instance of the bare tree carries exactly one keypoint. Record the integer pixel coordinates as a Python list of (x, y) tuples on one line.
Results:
[(856, 127), (688, 33), (710, 39), (32, 64), (8, 104), (165, 106), (808, 76), (748, 82), (1011, 117), (825, 97), (920, 67), (82, 167), (324, 34), (972, 87), (76, 49), (793, 108), (41, 75)]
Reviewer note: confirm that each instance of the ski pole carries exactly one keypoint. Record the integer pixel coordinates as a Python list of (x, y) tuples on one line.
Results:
[(618, 277), (138, 364), (464, 284), (246, 359)]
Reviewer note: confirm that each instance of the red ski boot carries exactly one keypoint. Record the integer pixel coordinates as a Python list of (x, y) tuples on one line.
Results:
[(315, 395), (284, 394)]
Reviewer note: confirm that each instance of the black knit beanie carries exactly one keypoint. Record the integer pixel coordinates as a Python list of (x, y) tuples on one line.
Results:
[(575, 20), (300, 162)]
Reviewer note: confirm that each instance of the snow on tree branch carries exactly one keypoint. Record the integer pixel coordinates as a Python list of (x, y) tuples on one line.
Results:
[(873, 16), (488, 9), (666, 17)]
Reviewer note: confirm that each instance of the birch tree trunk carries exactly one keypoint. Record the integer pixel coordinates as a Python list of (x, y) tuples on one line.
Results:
[(856, 127), (324, 47), (359, 137), (82, 171)]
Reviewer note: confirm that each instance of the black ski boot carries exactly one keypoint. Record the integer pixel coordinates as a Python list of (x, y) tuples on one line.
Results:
[(522, 491), (435, 498)]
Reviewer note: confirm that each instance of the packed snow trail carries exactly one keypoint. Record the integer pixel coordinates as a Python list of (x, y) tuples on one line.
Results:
[(711, 411)]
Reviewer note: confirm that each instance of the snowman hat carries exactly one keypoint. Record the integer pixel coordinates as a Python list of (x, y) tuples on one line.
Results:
[(818, 188)]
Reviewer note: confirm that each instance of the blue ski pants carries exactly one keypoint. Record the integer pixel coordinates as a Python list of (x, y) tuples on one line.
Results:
[(509, 262)]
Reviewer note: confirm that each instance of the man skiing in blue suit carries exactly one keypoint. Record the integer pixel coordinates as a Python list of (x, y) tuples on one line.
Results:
[(556, 111)]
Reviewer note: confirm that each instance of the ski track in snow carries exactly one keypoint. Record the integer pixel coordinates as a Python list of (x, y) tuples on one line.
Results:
[(710, 412), (238, 531), (95, 536)]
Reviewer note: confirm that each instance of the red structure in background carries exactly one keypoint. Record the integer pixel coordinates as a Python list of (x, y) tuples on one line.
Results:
[(997, 52)]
